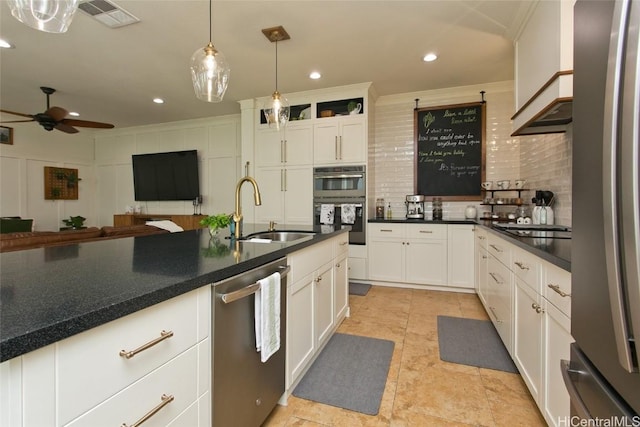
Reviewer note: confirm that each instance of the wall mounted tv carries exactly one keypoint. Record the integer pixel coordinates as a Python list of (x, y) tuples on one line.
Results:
[(166, 176)]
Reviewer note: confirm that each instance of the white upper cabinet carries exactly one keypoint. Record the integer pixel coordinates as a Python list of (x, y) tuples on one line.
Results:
[(544, 69)]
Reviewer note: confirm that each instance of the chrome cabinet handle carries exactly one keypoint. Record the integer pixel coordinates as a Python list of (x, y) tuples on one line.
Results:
[(521, 265), (484, 257), (494, 278), (426, 231), (318, 279), (340, 147), (129, 354), (497, 249), (481, 237), (559, 291), (344, 243), (281, 151), (385, 230), (284, 157), (336, 147), (165, 400), (493, 310)]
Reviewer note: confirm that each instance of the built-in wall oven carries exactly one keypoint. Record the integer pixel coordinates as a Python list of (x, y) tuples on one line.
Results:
[(344, 189)]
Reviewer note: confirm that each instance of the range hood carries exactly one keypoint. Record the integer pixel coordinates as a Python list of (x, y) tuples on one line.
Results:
[(549, 110)]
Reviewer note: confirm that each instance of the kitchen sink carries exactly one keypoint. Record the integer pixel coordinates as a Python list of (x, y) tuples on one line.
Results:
[(280, 236)]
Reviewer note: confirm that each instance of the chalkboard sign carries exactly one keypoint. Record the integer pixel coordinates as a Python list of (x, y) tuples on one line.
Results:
[(449, 151)]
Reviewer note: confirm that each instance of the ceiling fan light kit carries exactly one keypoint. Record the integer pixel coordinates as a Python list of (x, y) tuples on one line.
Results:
[(51, 16), (209, 71), (277, 109)]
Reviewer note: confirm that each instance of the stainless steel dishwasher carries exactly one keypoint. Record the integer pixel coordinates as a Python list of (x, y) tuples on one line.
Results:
[(245, 390)]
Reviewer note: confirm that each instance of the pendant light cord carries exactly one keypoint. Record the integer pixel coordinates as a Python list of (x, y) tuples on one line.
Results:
[(276, 65), (210, 21)]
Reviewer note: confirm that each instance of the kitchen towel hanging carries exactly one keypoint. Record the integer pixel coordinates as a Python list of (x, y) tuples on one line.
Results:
[(348, 213), (326, 213), (267, 316)]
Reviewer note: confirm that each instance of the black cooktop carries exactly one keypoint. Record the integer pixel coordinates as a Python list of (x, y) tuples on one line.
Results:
[(536, 231)]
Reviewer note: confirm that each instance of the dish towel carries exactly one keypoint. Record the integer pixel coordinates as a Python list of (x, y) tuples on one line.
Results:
[(326, 214), (348, 213), (267, 316)]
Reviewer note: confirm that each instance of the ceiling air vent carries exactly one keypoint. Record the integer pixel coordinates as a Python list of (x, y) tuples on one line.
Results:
[(108, 13)]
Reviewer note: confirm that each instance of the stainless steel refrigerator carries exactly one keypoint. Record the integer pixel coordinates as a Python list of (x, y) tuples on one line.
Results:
[(602, 376)]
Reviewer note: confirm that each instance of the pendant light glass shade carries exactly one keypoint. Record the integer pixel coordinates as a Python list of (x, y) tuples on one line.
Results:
[(277, 111), (51, 16), (209, 71), (210, 74)]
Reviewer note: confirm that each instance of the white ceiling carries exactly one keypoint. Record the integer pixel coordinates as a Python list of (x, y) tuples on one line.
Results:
[(111, 75)]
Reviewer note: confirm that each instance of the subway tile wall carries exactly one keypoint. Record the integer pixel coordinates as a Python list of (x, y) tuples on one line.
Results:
[(543, 160)]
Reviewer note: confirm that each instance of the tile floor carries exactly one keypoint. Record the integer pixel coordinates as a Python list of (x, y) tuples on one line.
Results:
[(421, 389)]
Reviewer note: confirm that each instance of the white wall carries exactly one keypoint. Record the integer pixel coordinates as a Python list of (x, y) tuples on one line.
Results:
[(217, 141), (22, 174), (543, 160)]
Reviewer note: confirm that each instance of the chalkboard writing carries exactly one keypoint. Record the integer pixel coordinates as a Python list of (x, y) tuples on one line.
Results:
[(449, 151)]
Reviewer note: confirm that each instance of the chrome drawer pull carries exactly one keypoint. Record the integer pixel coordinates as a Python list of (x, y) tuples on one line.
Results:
[(493, 310), (386, 230), (426, 231), (344, 243), (165, 401), (497, 249), (163, 336), (559, 291), (494, 278), (521, 265), (537, 308)]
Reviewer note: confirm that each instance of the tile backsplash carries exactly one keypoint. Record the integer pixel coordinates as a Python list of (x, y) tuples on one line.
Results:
[(543, 160)]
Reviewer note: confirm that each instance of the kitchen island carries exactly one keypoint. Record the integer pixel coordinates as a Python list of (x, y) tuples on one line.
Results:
[(49, 294)]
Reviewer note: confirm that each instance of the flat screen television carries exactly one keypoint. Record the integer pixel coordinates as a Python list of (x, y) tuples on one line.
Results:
[(166, 176)]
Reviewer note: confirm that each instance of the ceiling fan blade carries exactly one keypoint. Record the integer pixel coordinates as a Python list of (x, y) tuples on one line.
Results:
[(87, 124), (19, 121), (16, 114), (56, 113), (65, 128)]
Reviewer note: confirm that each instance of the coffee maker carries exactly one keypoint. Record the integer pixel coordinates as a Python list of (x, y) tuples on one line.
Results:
[(415, 206)]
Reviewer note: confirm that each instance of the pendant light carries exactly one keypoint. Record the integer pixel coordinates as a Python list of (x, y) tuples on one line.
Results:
[(209, 71), (51, 16), (277, 109)]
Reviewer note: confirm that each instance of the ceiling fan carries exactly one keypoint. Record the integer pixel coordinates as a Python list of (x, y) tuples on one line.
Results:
[(54, 118)]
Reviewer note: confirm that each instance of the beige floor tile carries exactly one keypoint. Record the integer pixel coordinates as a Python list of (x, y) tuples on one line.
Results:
[(391, 292), (422, 356), (507, 415), (506, 387), (373, 328), (444, 394), (412, 419)]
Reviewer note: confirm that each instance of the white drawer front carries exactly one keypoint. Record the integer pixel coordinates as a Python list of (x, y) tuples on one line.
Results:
[(340, 245), (427, 231), (557, 288), (379, 230), (90, 368), (306, 260), (527, 267), (480, 236), (177, 378), (500, 249)]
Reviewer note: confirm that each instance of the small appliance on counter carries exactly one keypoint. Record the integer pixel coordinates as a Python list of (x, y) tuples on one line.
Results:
[(415, 206)]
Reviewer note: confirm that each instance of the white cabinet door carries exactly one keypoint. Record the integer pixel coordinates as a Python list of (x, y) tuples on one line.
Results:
[(426, 261), (481, 276), (271, 181), (352, 143), (300, 332), (557, 340), (386, 260), (269, 148), (323, 303), (298, 195), (461, 259), (527, 342), (341, 283), (298, 145), (325, 142)]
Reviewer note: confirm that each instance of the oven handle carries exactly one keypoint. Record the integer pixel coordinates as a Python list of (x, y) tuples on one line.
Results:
[(249, 290), (339, 176), (357, 205)]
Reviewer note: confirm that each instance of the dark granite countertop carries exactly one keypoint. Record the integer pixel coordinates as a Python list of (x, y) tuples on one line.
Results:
[(555, 251), (422, 221), (49, 294)]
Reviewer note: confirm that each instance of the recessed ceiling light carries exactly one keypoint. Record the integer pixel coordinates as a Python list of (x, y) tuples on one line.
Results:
[(315, 75), (429, 57), (74, 114), (158, 100), (5, 44)]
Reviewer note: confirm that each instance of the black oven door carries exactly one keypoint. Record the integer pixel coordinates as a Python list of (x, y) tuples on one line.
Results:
[(358, 233)]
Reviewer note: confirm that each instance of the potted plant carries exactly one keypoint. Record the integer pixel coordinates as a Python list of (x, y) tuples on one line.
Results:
[(74, 222), (216, 222)]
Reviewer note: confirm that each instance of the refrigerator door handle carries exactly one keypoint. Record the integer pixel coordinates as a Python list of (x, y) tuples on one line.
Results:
[(609, 182), (629, 177), (576, 401)]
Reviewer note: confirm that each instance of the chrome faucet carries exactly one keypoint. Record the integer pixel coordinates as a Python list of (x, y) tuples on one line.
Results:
[(237, 215)]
